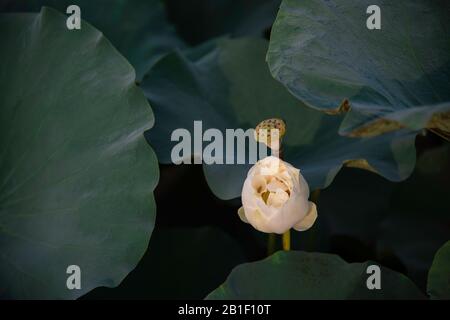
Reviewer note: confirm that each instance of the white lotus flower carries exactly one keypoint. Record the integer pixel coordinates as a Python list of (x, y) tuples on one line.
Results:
[(275, 198)]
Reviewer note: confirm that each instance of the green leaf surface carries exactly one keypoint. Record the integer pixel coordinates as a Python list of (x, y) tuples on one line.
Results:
[(76, 174), (226, 84), (396, 77), (137, 28), (439, 275), (300, 275)]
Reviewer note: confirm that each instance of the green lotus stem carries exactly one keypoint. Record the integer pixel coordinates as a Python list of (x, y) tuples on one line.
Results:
[(287, 240), (280, 126)]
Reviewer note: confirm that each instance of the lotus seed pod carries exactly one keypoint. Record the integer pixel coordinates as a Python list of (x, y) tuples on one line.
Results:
[(269, 130)]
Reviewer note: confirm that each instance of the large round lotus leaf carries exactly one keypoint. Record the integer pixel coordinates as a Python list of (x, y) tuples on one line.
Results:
[(227, 84), (302, 275), (439, 275), (137, 28), (395, 77), (76, 174)]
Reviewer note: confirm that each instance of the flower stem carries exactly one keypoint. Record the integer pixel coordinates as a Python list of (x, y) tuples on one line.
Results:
[(279, 127), (287, 240)]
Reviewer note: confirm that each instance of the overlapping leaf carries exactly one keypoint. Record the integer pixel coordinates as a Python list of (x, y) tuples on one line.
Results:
[(76, 174), (137, 28), (439, 275), (395, 77), (301, 275), (226, 84)]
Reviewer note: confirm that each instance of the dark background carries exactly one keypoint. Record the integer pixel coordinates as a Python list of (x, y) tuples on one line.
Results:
[(198, 239)]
